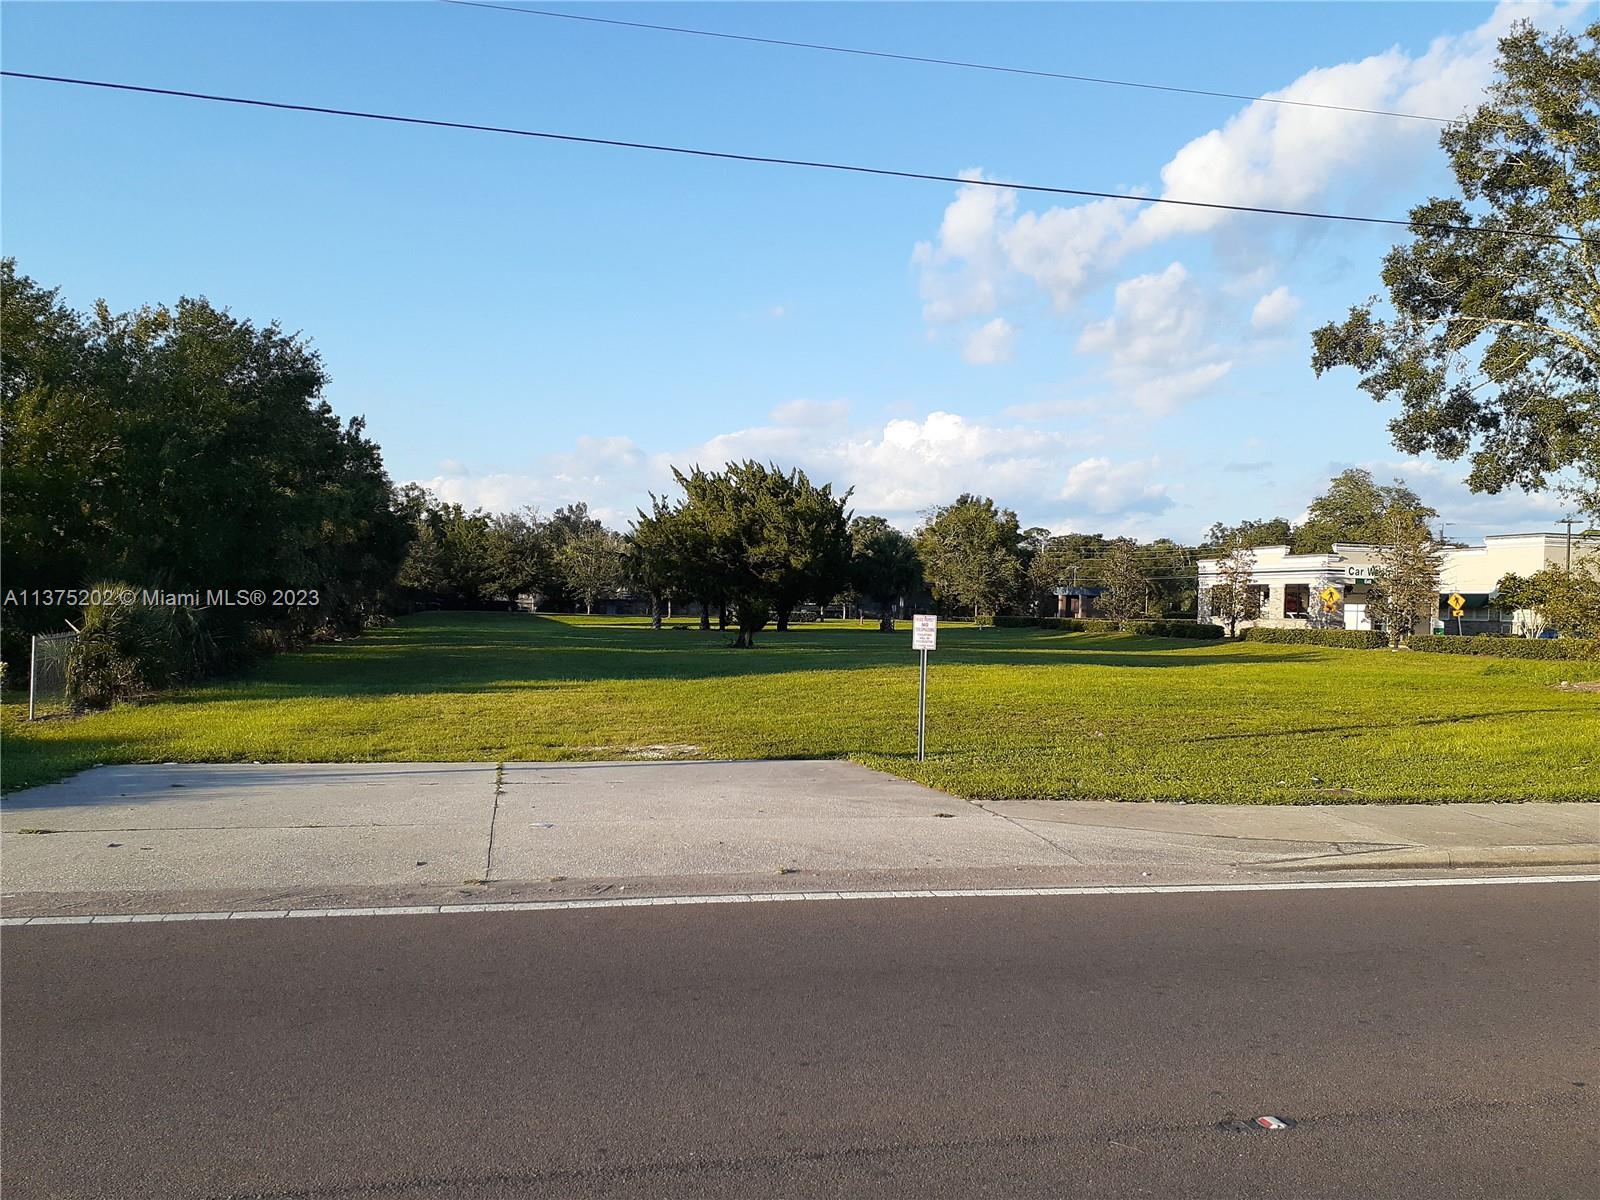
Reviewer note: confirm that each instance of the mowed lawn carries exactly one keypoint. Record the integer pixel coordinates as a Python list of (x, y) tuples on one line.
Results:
[(1012, 712)]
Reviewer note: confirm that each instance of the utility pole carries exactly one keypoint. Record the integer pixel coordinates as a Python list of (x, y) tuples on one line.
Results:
[(1569, 522)]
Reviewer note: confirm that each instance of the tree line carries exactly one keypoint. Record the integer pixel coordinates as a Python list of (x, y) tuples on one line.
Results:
[(752, 543), (182, 450)]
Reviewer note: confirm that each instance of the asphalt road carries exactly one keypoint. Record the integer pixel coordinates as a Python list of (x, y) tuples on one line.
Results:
[(1429, 1042)]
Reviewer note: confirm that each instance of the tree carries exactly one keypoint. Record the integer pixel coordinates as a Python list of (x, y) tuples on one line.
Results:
[(592, 564), (1274, 531), (652, 564), (1070, 560), (184, 447), (969, 553), (769, 539), (1034, 542), (1563, 600), (883, 565), (449, 557), (1490, 342), (519, 556), (1236, 598), (1354, 509), (1173, 573), (1405, 580), (1526, 594), (572, 521), (1126, 591)]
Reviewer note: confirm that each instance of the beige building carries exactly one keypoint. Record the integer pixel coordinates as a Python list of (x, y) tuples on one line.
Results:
[(1292, 585)]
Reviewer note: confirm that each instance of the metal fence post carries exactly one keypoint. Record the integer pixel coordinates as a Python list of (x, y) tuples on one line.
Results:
[(33, 670), (922, 710)]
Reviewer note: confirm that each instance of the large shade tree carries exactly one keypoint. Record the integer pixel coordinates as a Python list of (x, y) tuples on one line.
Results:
[(884, 565), (971, 553), (1127, 590), (181, 447), (1354, 509), (593, 564), (1491, 336), (770, 538), (653, 563)]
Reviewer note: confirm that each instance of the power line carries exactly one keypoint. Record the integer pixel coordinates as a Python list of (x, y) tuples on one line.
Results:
[(773, 160), (945, 62)]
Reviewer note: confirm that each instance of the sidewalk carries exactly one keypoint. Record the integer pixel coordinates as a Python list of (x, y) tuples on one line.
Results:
[(1352, 836), (204, 838)]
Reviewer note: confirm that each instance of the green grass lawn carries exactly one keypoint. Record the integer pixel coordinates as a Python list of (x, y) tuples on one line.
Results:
[(1012, 712)]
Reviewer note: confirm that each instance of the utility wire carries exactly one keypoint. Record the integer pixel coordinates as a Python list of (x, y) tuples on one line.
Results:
[(945, 62), (773, 160)]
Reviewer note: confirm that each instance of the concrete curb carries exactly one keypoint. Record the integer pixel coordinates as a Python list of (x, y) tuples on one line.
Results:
[(1575, 854)]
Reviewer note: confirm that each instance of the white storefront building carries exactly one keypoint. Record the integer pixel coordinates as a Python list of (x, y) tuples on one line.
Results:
[(1292, 585)]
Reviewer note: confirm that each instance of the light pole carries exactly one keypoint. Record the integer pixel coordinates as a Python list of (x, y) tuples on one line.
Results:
[(1569, 522)]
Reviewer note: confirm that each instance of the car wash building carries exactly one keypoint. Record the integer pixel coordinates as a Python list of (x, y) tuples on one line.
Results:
[(1332, 591)]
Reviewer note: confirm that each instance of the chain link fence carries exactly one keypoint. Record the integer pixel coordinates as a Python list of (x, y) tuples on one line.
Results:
[(47, 675)]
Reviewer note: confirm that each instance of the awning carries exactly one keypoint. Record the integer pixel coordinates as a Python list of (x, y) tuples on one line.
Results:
[(1473, 599)]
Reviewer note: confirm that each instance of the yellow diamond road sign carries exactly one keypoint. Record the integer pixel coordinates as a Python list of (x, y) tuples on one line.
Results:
[(1330, 598), (1457, 602)]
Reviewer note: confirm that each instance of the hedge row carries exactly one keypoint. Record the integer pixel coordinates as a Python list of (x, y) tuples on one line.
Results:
[(1348, 639), (1508, 647), (1166, 629), (1366, 639)]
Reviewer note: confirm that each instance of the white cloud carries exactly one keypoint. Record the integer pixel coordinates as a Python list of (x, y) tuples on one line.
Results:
[(988, 254), (1156, 318), (991, 343), (1286, 156), (909, 465), (984, 249), (810, 412), (898, 470), (1102, 487), (961, 273), (1157, 340), (1470, 514), (611, 474), (1066, 250), (1275, 308), (1156, 391)]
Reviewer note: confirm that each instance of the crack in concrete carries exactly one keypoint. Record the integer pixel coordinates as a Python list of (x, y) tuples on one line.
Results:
[(1229, 837), (1032, 832), (494, 815)]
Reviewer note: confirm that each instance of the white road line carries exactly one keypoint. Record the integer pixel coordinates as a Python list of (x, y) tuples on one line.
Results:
[(1161, 889)]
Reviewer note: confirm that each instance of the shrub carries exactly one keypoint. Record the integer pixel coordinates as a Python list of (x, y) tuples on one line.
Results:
[(1347, 639), (129, 648), (1176, 629), (1166, 629), (1509, 647)]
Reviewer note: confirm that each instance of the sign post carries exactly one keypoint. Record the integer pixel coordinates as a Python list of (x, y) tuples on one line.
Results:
[(1457, 603), (924, 637)]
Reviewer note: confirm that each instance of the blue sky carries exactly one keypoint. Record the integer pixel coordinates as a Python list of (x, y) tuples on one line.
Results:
[(524, 322)]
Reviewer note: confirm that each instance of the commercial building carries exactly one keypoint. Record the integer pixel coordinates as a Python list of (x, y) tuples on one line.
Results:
[(1293, 587)]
